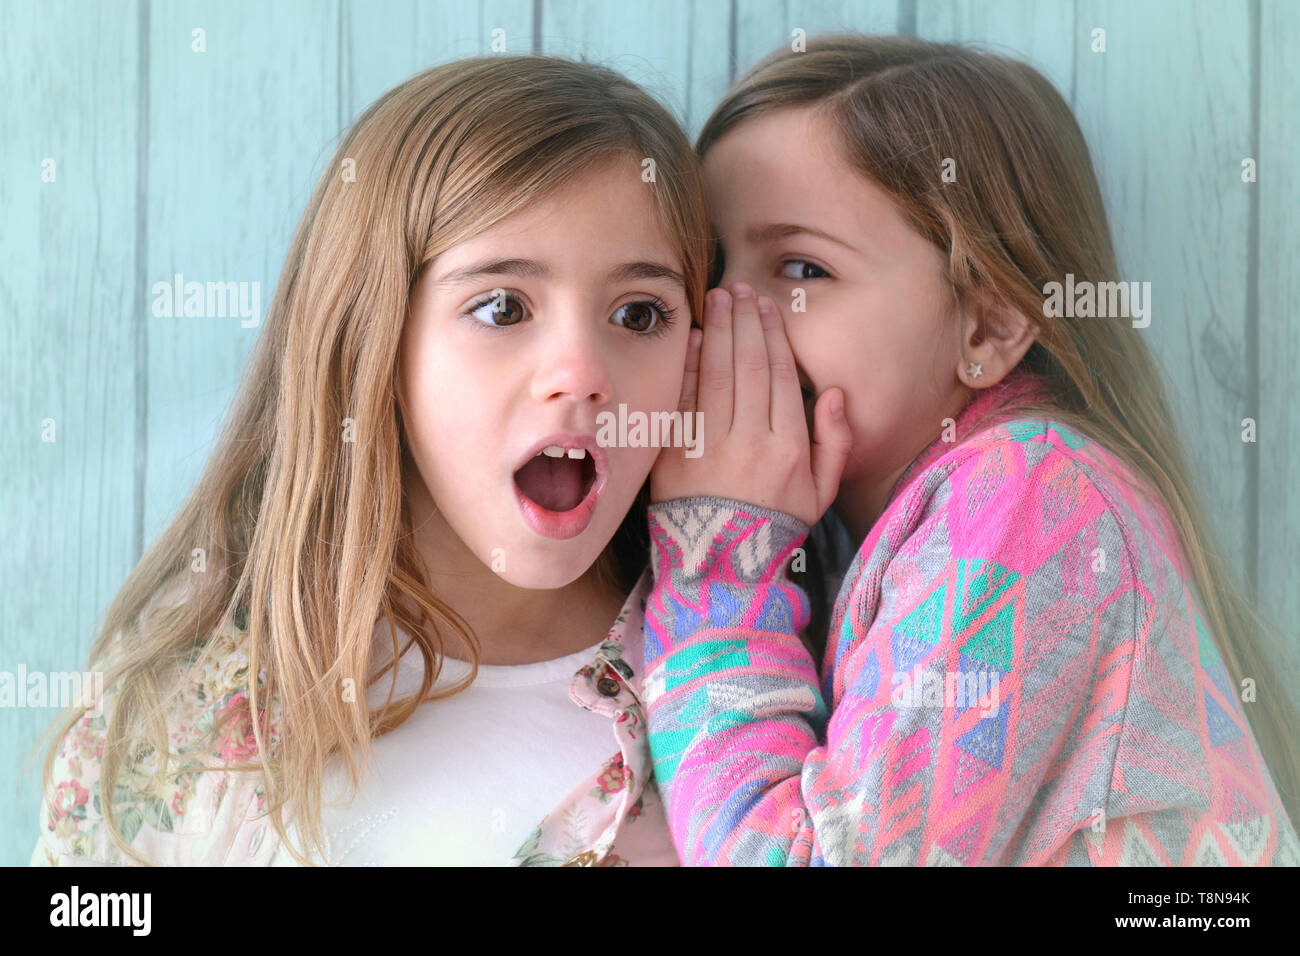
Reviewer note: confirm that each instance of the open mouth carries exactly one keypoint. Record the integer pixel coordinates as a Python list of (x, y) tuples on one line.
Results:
[(557, 478), (557, 488)]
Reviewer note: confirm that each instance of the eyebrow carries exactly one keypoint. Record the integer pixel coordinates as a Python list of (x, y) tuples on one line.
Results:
[(532, 269), (783, 230)]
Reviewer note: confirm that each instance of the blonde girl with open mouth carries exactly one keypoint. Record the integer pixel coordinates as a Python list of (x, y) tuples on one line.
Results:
[(502, 249)]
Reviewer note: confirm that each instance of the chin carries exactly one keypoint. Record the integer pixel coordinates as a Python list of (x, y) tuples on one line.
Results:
[(543, 580), (545, 569)]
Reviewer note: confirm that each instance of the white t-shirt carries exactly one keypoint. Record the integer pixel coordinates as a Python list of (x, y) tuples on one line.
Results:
[(466, 779)]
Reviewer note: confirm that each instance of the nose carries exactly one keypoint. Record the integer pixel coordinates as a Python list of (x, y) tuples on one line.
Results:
[(574, 367)]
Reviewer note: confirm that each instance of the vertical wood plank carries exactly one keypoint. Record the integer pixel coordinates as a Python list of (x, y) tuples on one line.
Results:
[(237, 135), (389, 41), (1278, 444), (676, 50), (761, 29), (67, 287), (1041, 34), (1166, 110)]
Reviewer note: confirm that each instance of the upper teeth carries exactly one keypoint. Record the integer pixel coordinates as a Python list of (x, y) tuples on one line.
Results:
[(555, 451)]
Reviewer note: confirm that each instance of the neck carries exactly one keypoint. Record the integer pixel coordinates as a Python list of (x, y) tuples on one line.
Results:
[(861, 501), (863, 497), (513, 625)]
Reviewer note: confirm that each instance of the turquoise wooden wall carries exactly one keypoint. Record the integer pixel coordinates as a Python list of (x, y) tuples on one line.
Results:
[(170, 161)]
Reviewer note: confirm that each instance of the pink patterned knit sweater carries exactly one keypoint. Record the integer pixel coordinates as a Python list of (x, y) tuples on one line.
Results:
[(1017, 672)]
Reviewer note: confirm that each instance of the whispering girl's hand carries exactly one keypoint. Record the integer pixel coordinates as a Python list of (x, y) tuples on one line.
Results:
[(741, 376)]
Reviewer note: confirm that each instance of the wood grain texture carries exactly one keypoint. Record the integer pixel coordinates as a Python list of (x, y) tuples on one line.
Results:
[(1278, 279), (676, 50), (762, 28), (1041, 34), (237, 135), (171, 161), (67, 294), (1166, 111), (386, 42)]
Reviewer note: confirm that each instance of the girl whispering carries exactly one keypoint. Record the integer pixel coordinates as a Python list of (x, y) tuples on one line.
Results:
[(1035, 656), (417, 635)]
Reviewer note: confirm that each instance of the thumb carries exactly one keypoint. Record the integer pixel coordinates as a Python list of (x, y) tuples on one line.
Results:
[(831, 443)]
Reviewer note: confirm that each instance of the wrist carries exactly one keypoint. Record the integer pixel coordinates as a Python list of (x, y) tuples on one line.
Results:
[(708, 534)]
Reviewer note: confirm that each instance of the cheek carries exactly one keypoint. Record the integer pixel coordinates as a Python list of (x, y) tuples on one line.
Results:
[(652, 382), (636, 465), (646, 385), (827, 346), (426, 414), (449, 390), (452, 438)]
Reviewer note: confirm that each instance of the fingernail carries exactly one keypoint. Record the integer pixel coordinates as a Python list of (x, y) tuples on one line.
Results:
[(837, 405), (742, 291), (696, 337), (718, 298), (764, 304)]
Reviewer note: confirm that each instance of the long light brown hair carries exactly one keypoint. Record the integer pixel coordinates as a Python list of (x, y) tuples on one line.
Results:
[(307, 535), (1025, 211)]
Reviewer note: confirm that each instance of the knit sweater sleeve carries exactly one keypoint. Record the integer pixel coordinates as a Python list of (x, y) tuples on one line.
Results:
[(731, 691), (965, 650)]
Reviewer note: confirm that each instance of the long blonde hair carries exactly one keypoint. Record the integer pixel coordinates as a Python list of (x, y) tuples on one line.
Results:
[(308, 536), (1026, 210)]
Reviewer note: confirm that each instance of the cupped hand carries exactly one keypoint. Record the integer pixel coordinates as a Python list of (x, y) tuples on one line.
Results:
[(741, 377)]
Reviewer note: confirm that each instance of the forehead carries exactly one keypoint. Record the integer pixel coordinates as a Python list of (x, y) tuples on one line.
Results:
[(608, 199), (788, 166), (794, 145)]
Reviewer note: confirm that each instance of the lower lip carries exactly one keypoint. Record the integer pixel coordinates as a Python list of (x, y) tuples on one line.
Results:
[(560, 525)]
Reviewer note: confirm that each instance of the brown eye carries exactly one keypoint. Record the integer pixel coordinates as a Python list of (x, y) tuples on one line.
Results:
[(499, 310), (803, 269), (637, 316)]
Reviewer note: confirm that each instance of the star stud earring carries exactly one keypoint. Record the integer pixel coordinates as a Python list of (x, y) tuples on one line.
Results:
[(974, 370)]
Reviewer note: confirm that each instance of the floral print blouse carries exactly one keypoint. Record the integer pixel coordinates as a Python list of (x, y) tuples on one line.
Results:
[(217, 817)]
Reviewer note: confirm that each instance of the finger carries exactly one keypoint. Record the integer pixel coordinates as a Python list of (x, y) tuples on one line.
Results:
[(786, 413), (716, 379), (753, 383), (691, 377), (831, 443)]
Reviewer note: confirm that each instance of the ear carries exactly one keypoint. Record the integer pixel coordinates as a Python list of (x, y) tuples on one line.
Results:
[(995, 337)]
